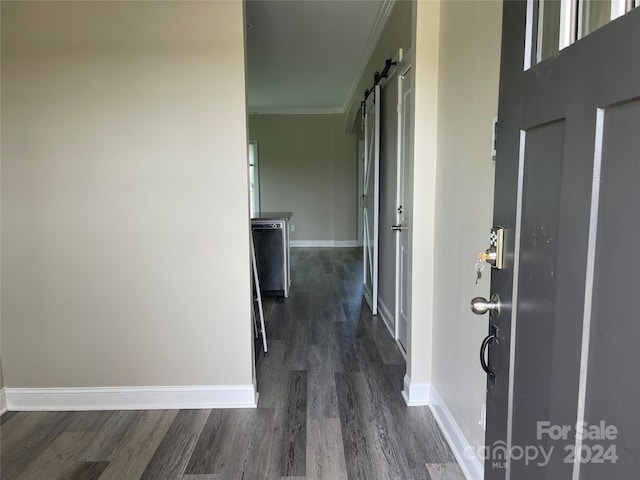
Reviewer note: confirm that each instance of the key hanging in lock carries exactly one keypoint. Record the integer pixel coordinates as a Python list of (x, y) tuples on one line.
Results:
[(479, 268)]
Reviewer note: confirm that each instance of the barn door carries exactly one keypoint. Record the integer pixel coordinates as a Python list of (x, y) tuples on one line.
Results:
[(371, 198)]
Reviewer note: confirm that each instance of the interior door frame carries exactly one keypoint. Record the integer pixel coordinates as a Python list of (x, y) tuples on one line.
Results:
[(403, 67)]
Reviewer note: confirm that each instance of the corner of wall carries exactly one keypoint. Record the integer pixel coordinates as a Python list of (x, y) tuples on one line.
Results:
[(425, 40), (416, 394)]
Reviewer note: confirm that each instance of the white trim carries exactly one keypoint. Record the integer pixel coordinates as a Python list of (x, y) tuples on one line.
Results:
[(384, 11), (256, 174), (514, 296), (3, 401), (325, 243), (528, 38), (462, 449), (402, 68), (416, 394), (360, 198), (588, 288), (567, 36), (131, 398), (404, 65), (618, 8), (296, 111), (387, 317)]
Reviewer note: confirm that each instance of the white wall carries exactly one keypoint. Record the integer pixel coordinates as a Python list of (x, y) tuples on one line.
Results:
[(124, 195), (457, 49), (308, 166), (467, 102)]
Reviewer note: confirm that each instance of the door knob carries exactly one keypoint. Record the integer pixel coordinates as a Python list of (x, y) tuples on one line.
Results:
[(480, 305), (397, 228)]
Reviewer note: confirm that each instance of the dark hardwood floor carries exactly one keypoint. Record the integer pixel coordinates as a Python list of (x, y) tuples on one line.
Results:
[(330, 407)]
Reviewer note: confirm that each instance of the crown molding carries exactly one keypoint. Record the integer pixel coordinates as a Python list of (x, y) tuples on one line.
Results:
[(378, 26), (382, 16)]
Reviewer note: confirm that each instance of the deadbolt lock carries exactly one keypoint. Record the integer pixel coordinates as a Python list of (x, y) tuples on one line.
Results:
[(494, 255)]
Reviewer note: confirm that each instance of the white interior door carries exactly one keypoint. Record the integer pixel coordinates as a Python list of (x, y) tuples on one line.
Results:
[(403, 203), (371, 198)]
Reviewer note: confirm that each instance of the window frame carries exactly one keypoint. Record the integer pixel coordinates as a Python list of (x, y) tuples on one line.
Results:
[(254, 201)]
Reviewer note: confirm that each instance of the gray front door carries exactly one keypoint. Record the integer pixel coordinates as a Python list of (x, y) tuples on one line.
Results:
[(564, 400)]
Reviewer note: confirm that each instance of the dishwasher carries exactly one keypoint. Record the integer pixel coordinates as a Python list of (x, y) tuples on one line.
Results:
[(270, 238)]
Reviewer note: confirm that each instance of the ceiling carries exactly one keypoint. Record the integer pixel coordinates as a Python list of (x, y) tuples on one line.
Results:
[(306, 56)]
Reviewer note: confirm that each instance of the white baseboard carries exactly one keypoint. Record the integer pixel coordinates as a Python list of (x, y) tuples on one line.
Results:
[(462, 449), (324, 243), (416, 394), (387, 317), (131, 398), (346, 243), (3, 401)]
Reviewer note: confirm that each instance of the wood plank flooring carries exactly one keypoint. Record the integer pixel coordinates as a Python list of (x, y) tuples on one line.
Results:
[(329, 408)]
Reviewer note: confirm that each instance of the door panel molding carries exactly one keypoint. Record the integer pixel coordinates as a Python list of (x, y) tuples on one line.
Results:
[(588, 290), (514, 303)]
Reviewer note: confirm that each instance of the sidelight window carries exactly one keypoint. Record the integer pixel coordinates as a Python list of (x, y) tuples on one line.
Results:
[(556, 24)]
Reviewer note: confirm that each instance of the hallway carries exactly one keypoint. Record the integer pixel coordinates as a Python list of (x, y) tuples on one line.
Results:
[(357, 423), (330, 407)]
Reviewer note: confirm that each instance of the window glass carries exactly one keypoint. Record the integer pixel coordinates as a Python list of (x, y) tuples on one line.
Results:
[(254, 179), (559, 23), (593, 14), (548, 29)]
